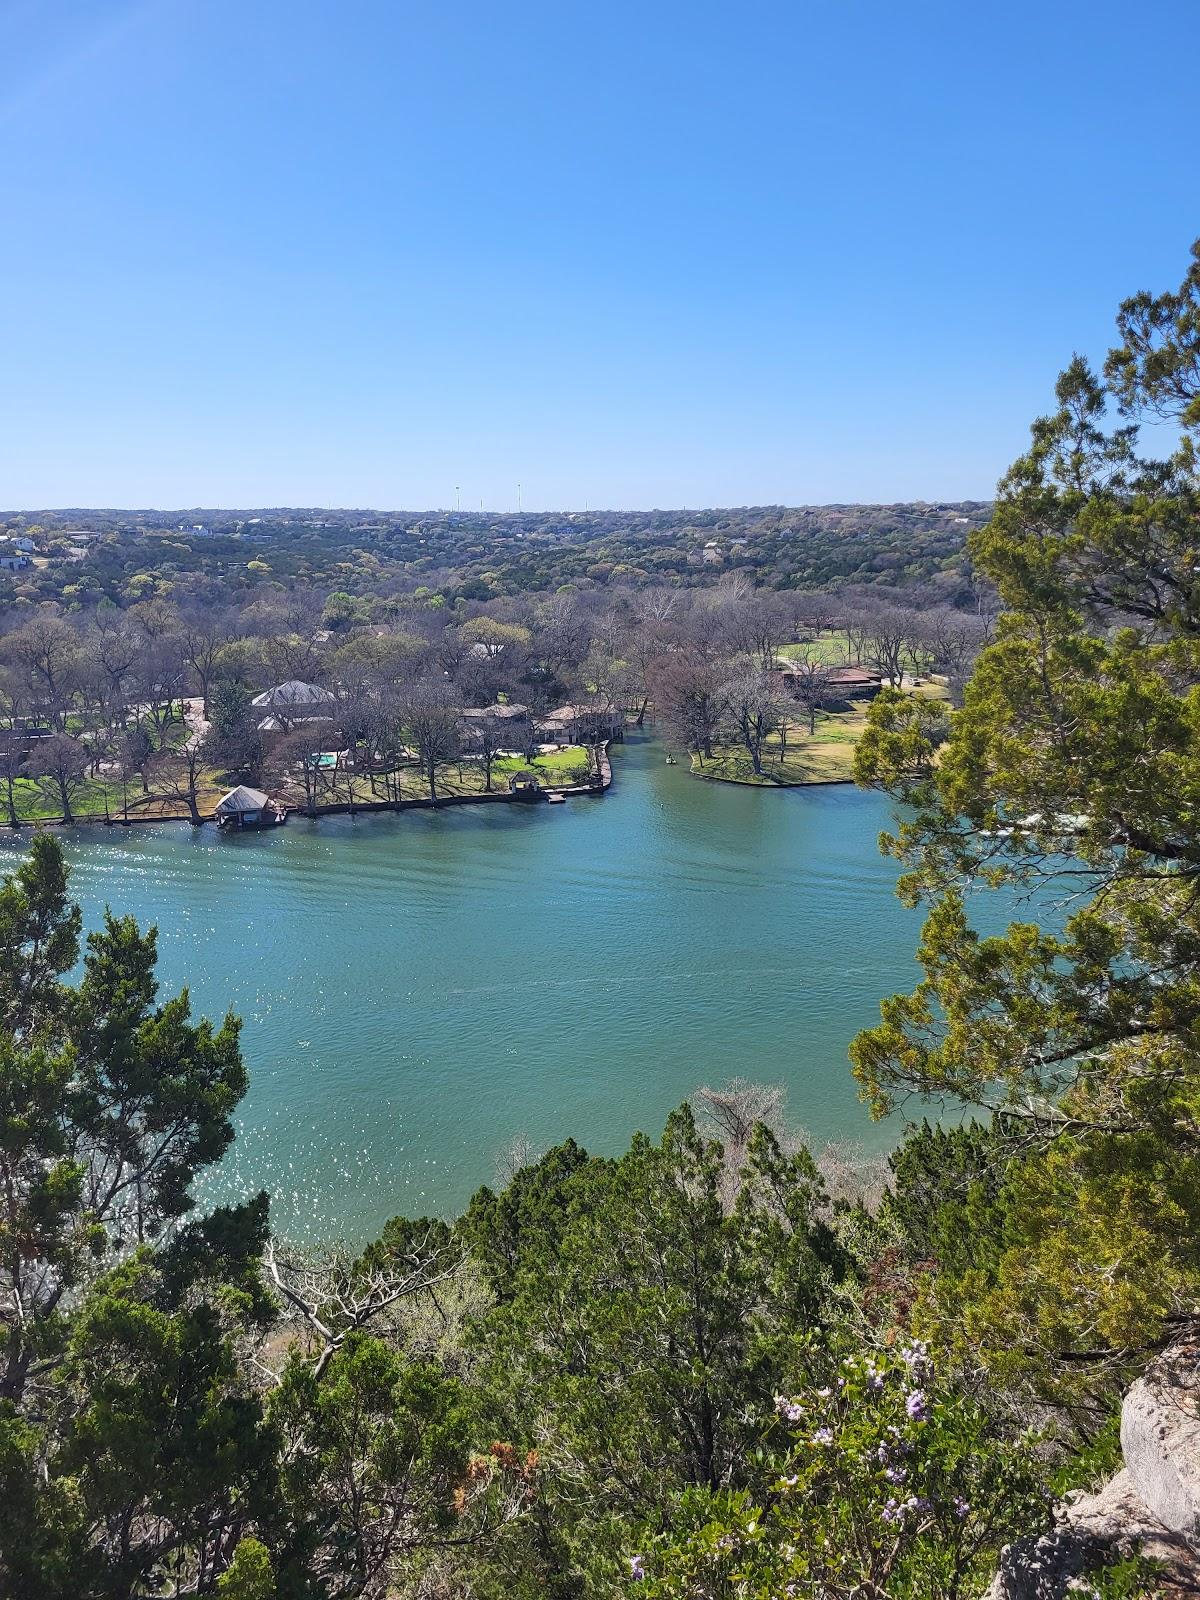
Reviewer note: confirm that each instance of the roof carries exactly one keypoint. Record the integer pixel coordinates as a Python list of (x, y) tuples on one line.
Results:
[(573, 713), (293, 693), (241, 799), (501, 710), (855, 675)]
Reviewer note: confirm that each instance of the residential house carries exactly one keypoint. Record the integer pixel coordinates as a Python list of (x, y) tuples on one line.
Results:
[(508, 721), (842, 683), (292, 702), (586, 722)]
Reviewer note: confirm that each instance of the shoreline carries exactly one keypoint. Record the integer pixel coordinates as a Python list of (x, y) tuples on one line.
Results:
[(342, 808), (750, 783)]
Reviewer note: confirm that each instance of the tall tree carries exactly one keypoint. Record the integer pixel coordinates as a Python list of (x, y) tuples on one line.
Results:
[(1074, 760), (752, 708), (430, 719), (60, 765)]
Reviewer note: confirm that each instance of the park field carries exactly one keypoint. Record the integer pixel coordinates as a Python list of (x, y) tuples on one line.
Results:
[(825, 756)]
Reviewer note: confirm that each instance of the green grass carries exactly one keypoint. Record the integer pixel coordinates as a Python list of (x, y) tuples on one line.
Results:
[(826, 756), (832, 649), (37, 804), (555, 768)]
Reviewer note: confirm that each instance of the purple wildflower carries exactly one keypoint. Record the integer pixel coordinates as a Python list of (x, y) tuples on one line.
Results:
[(823, 1436), (892, 1512), (896, 1474), (917, 1405), (961, 1507), (637, 1566)]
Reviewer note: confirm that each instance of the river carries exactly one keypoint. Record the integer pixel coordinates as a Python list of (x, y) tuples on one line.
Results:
[(418, 990)]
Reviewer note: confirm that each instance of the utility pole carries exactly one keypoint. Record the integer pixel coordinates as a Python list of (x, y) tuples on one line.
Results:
[(518, 499), (457, 501)]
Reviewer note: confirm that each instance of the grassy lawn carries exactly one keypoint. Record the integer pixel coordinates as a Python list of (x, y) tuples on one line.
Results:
[(831, 648), (100, 797), (827, 756), (38, 804), (555, 767)]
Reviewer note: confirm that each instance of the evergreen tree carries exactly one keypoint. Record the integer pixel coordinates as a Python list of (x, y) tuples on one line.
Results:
[(1074, 762)]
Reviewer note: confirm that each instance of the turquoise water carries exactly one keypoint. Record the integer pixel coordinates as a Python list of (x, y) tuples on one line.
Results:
[(418, 990)]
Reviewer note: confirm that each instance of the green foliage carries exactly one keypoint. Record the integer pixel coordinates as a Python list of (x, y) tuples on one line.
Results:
[(688, 1309), (250, 1575), (879, 1481), (1073, 762)]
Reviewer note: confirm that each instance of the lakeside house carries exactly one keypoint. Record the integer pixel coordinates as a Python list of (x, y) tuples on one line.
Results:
[(842, 683), (506, 719), (585, 722), (292, 702)]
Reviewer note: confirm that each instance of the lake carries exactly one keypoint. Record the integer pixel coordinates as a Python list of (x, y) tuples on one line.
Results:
[(418, 990)]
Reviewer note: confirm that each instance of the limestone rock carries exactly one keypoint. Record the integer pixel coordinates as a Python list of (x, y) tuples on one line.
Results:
[(1160, 1439), (1113, 1521)]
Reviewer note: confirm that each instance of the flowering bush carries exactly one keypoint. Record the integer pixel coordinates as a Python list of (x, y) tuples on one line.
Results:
[(881, 1485)]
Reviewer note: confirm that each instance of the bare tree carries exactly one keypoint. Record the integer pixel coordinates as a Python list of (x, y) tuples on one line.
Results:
[(810, 683), (953, 640), (175, 776), (752, 708), (492, 739), (338, 1295), (431, 724), (113, 651), (299, 754), (202, 633), (730, 1115), (14, 741), (891, 634), (46, 651), (687, 696), (60, 764)]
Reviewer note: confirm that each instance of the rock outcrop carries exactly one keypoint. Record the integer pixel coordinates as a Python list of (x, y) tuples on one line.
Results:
[(1160, 1439), (1153, 1503)]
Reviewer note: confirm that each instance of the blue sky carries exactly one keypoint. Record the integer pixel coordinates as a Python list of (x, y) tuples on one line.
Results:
[(359, 252)]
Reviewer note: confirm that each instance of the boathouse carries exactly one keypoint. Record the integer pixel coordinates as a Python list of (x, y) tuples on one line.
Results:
[(244, 807)]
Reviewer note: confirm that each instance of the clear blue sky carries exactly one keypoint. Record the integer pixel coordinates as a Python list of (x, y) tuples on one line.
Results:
[(358, 252)]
